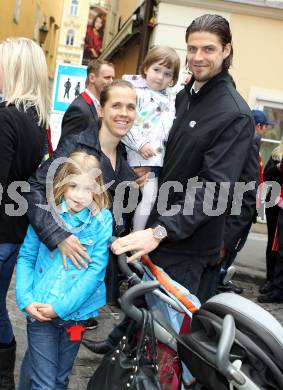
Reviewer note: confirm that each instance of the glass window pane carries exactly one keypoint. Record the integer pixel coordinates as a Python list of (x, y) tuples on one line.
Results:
[(276, 115), (273, 133)]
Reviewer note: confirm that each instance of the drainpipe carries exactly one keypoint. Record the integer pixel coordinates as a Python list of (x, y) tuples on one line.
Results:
[(145, 33)]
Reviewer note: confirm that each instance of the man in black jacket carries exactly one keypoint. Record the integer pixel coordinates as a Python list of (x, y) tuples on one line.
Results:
[(83, 109), (207, 146)]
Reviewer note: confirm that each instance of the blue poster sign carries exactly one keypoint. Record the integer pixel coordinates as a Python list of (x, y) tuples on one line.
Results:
[(69, 83)]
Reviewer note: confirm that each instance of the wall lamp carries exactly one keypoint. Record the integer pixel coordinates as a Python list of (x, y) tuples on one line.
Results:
[(43, 31)]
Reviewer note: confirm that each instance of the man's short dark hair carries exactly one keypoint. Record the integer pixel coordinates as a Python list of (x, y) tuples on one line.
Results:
[(95, 65), (214, 24)]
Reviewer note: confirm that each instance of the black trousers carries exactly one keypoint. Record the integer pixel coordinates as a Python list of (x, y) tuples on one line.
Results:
[(271, 219), (199, 274), (277, 282)]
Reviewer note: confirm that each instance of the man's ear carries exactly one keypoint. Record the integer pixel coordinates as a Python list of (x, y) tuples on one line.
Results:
[(227, 50), (91, 78)]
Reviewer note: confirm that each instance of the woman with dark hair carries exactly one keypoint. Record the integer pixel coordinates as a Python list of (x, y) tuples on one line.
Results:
[(272, 289), (118, 111), (93, 38)]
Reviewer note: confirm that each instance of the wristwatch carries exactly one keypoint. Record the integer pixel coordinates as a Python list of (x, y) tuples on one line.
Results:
[(159, 232)]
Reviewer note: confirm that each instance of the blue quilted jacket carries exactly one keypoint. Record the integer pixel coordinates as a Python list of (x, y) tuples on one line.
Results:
[(74, 294)]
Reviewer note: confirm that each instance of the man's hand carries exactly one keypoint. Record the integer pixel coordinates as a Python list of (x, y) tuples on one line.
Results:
[(72, 248), (33, 311), (46, 310), (222, 254), (147, 151), (142, 173), (141, 242)]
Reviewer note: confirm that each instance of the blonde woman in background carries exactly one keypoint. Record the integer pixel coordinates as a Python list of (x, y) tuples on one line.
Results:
[(272, 289), (23, 120)]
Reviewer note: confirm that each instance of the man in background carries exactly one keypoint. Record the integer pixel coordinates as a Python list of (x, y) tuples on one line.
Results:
[(84, 108)]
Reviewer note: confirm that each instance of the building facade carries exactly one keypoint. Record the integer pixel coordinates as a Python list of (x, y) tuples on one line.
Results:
[(35, 19), (74, 23), (72, 33)]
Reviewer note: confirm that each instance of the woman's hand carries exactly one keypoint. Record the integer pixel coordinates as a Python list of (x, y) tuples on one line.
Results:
[(72, 248), (33, 311), (141, 242), (93, 52), (46, 310), (147, 151), (142, 173)]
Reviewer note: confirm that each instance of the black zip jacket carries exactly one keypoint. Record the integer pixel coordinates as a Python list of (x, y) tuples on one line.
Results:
[(22, 144), (210, 138), (48, 230)]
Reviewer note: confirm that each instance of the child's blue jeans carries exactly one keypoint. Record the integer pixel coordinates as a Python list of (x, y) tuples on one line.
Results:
[(51, 354)]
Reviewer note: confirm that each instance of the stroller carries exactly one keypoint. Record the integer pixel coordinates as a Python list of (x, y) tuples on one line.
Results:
[(232, 344)]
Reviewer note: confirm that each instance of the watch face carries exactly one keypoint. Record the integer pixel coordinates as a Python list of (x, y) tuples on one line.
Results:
[(160, 232)]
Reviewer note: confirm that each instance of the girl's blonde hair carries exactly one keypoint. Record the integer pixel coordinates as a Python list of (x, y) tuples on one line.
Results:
[(277, 153), (164, 55), (79, 163), (25, 76)]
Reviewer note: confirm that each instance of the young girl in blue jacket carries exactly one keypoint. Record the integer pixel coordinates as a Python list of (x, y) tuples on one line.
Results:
[(55, 301)]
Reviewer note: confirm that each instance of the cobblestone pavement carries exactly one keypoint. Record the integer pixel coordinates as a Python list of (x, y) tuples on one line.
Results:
[(86, 361), (251, 292)]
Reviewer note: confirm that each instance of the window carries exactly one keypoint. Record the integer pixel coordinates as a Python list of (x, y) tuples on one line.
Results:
[(74, 7), (36, 22), (271, 139), (273, 135), (17, 10), (70, 37), (263, 3)]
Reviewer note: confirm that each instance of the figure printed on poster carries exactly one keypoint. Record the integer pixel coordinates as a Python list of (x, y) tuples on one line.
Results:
[(94, 34), (67, 86), (77, 89)]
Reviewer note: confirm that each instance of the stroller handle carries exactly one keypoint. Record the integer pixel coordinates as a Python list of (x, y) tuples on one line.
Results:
[(223, 351), (134, 279), (125, 269), (133, 312)]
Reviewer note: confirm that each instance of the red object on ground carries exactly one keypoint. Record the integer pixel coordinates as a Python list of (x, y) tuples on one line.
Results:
[(75, 332)]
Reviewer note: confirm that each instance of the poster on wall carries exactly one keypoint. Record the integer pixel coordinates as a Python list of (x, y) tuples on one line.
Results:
[(68, 84), (94, 33)]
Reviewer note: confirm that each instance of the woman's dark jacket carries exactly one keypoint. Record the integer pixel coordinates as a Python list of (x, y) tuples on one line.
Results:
[(22, 145)]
